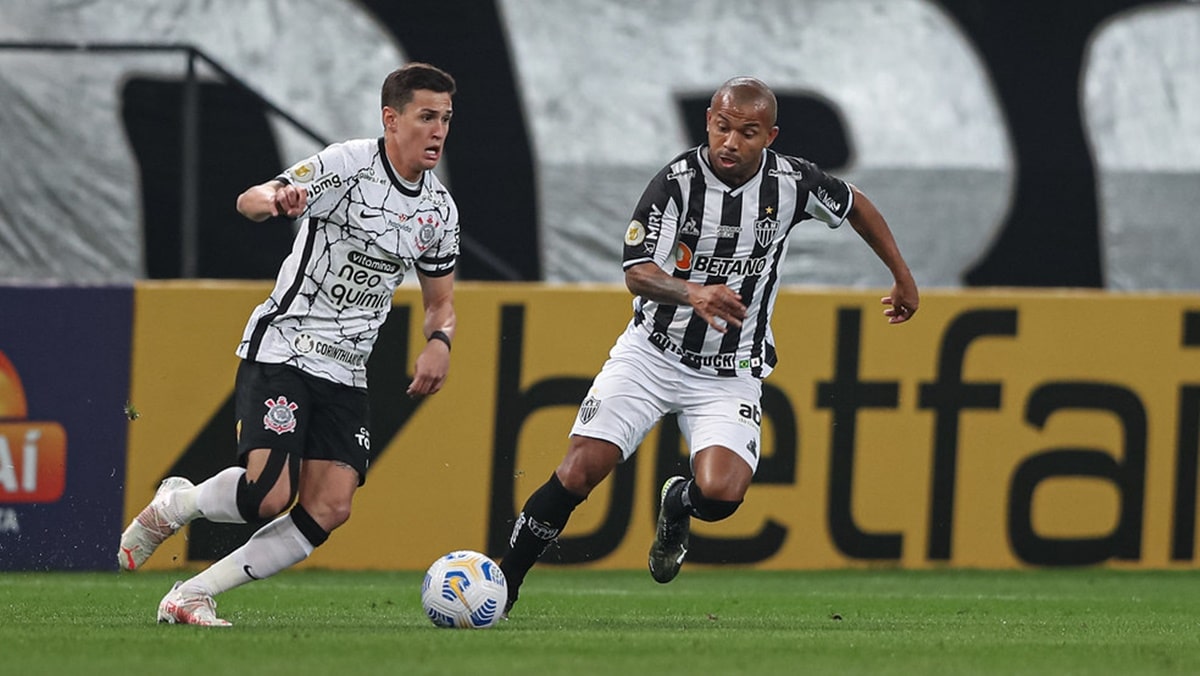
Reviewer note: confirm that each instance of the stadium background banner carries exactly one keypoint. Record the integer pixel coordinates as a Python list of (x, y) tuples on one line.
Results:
[(998, 430), (64, 381), (1070, 161)]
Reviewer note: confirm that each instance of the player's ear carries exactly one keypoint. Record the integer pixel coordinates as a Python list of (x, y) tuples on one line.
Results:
[(771, 135)]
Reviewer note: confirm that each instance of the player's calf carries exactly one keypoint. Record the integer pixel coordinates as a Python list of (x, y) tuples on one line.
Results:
[(541, 520)]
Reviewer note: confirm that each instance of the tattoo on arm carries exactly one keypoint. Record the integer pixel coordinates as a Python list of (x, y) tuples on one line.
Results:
[(661, 288)]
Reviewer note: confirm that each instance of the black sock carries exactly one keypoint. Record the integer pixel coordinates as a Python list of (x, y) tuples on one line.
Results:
[(685, 498), (541, 520), (678, 502)]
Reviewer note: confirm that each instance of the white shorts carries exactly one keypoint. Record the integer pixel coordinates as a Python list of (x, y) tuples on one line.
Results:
[(638, 386)]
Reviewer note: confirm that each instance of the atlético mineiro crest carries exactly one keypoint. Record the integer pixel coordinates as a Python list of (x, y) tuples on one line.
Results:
[(281, 415), (765, 229), (588, 409)]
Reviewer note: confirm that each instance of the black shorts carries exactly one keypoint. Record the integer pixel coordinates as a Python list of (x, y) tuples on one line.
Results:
[(281, 407)]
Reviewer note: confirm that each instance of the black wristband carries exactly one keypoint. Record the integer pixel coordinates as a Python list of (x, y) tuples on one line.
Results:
[(440, 335)]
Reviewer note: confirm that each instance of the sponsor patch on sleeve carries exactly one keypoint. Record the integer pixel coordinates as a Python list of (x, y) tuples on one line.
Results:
[(636, 233)]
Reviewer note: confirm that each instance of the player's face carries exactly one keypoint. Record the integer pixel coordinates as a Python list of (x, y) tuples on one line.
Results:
[(737, 134), (416, 135)]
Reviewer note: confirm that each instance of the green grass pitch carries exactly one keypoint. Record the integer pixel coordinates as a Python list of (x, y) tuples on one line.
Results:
[(707, 622)]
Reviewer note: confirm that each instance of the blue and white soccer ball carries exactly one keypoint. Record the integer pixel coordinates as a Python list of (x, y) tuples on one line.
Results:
[(464, 590)]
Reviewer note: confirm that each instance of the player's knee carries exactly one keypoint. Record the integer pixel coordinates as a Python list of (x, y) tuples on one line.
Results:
[(270, 493), (257, 502), (710, 509), (308, 526), (329, 515), (575, 480), (335, 515), (587, 463), (275, 504)]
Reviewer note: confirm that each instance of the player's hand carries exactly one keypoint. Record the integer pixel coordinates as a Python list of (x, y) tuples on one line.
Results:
[(717, 304), (902, 303), (429, 373), (289, 201)]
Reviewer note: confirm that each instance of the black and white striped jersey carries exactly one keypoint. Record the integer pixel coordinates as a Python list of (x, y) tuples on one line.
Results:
[(364, 227), (695, 227)]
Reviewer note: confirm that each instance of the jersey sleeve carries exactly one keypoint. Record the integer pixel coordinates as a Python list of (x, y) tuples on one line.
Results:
[(324, 175), (439, 260), (650, 236), (827, 198)]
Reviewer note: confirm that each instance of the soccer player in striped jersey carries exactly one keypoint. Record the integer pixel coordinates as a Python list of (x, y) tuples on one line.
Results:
[(369, 211), (701, 257)]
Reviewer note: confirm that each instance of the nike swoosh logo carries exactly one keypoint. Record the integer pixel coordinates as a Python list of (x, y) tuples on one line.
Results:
[(250, 572), (363, 213)]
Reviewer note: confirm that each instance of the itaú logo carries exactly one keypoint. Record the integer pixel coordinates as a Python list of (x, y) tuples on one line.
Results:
[(33, 455)]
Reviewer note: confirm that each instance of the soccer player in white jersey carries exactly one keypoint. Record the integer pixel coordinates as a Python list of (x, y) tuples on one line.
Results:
[(701, 258), (369, 211)]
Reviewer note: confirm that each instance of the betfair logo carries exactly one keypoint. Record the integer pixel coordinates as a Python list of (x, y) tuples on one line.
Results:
[(33, 455)]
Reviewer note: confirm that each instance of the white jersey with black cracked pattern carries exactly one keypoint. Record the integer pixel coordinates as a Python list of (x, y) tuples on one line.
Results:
[(363, 229)]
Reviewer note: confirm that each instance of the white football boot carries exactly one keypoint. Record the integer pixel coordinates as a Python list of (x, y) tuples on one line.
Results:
[(157, 522), (198, 609)]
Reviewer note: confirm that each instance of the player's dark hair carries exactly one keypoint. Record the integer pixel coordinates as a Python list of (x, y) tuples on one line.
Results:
[(399, 85)]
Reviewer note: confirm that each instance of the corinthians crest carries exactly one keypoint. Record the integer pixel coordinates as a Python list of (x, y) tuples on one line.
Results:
[(281, 416), (587, 410), (765, 229)]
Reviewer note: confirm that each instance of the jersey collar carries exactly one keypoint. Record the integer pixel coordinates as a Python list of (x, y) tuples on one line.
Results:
[(396, 181), (702, 155)]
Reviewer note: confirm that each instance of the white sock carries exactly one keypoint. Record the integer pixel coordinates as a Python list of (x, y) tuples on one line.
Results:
[(181, 506), (275, 547), (216, 498)]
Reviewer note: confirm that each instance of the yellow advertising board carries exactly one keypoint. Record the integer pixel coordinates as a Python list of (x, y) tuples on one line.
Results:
[(995, 430)]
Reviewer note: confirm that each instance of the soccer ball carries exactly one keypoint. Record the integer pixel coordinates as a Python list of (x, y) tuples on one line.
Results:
[(464, 590)]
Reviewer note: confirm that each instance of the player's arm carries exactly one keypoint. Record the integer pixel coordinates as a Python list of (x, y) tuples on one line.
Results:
[(646, 251), (871, 226), (716, 304), (433, 363), (273, 198)]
